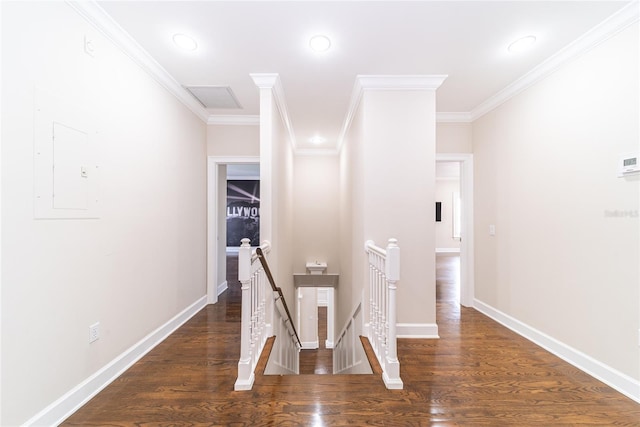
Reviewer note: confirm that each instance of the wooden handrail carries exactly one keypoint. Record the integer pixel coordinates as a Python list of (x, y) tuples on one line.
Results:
[(275, 288)]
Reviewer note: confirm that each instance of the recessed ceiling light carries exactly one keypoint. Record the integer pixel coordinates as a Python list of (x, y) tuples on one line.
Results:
[(317, 140), (185, 42), (522, 44), (320, 43)]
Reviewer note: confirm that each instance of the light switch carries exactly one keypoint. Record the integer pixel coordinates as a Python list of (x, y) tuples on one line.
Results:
[(83, 172), (492, 230)]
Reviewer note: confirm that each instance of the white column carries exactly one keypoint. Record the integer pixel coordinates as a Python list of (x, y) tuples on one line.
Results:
[(391, 374), (245, 372)]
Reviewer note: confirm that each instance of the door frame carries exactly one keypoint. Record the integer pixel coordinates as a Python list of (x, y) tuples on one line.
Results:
[(214, 213), (467, 267)]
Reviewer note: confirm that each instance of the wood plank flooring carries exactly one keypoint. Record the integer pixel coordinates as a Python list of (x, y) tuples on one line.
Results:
[(320, 361), (477, 374)]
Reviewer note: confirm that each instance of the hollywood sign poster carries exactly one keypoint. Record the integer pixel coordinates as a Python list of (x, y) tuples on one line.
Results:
[(243, 212)]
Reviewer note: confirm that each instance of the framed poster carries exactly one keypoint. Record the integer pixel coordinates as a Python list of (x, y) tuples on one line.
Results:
[(243, 212)]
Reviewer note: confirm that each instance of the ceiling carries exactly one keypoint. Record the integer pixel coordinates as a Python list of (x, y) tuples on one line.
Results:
[(466, 40)]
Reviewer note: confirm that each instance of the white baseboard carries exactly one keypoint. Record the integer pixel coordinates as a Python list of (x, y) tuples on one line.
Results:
[(623, 383), (310, 345), (417, 330), (447, 250), (222, 287), (328, 344), (70, 402)]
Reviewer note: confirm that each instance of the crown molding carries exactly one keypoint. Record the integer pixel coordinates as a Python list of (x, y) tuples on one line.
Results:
[(271, 81), (219, 119), (453, 117), (598, 34), (97, 17)]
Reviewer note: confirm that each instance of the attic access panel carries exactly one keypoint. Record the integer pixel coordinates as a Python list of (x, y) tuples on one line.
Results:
[(215, 96)]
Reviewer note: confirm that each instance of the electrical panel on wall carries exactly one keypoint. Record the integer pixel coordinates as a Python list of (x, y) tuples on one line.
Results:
[(65, 164)]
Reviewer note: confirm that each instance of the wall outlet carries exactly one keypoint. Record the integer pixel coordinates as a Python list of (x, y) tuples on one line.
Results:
[(94, 332)]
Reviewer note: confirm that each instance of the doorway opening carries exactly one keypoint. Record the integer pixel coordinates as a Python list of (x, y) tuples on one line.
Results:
[(454, 236), (243, 215)]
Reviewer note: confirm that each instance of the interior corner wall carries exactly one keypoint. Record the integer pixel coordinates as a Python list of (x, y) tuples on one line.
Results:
[(454, 138), (316, 212), (351, 212), (564, 258), (399, 191), (133, 269), (276, 192), (233, 140)]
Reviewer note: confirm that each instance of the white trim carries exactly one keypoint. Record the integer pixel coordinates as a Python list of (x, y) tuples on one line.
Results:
[(213, 162), (377, 82), (1, 217), (417, 330), (447, 178), (70, 402), (247, 384), (102, 21), (219, 119), (598, 34), (310, 345), (392, 384), (447, 250), (623, 383), (272, 81), (223, 287)]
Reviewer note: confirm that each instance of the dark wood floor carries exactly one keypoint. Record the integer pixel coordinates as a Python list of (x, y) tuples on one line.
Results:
[(320, 361), (477, 374)]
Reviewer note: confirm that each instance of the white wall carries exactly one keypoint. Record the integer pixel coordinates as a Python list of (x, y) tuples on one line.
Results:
[(399, 191), (315, 212), (233, 140), (454, 138), (387, 186), (545, 174), (142, 261), (351, 195), (276, 189)]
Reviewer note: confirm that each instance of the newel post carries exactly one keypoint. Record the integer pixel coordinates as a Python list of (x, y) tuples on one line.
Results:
[(391, 376), (245, 373)]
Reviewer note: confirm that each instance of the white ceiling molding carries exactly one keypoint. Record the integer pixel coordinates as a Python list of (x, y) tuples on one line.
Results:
[(370, 82), (272, 81), (598, 34), (453, 117), (356, 96), (219, 119), (97, 17)]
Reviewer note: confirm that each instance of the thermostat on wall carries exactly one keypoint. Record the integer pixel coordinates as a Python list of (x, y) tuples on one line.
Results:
[(629, 165)]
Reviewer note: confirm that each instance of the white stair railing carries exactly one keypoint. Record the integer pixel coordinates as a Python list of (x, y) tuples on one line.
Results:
[(263, 301), (253, 334), (348, 354), (384, 273)]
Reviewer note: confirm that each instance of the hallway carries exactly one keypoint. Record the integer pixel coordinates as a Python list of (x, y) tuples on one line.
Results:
[(477, 373)]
